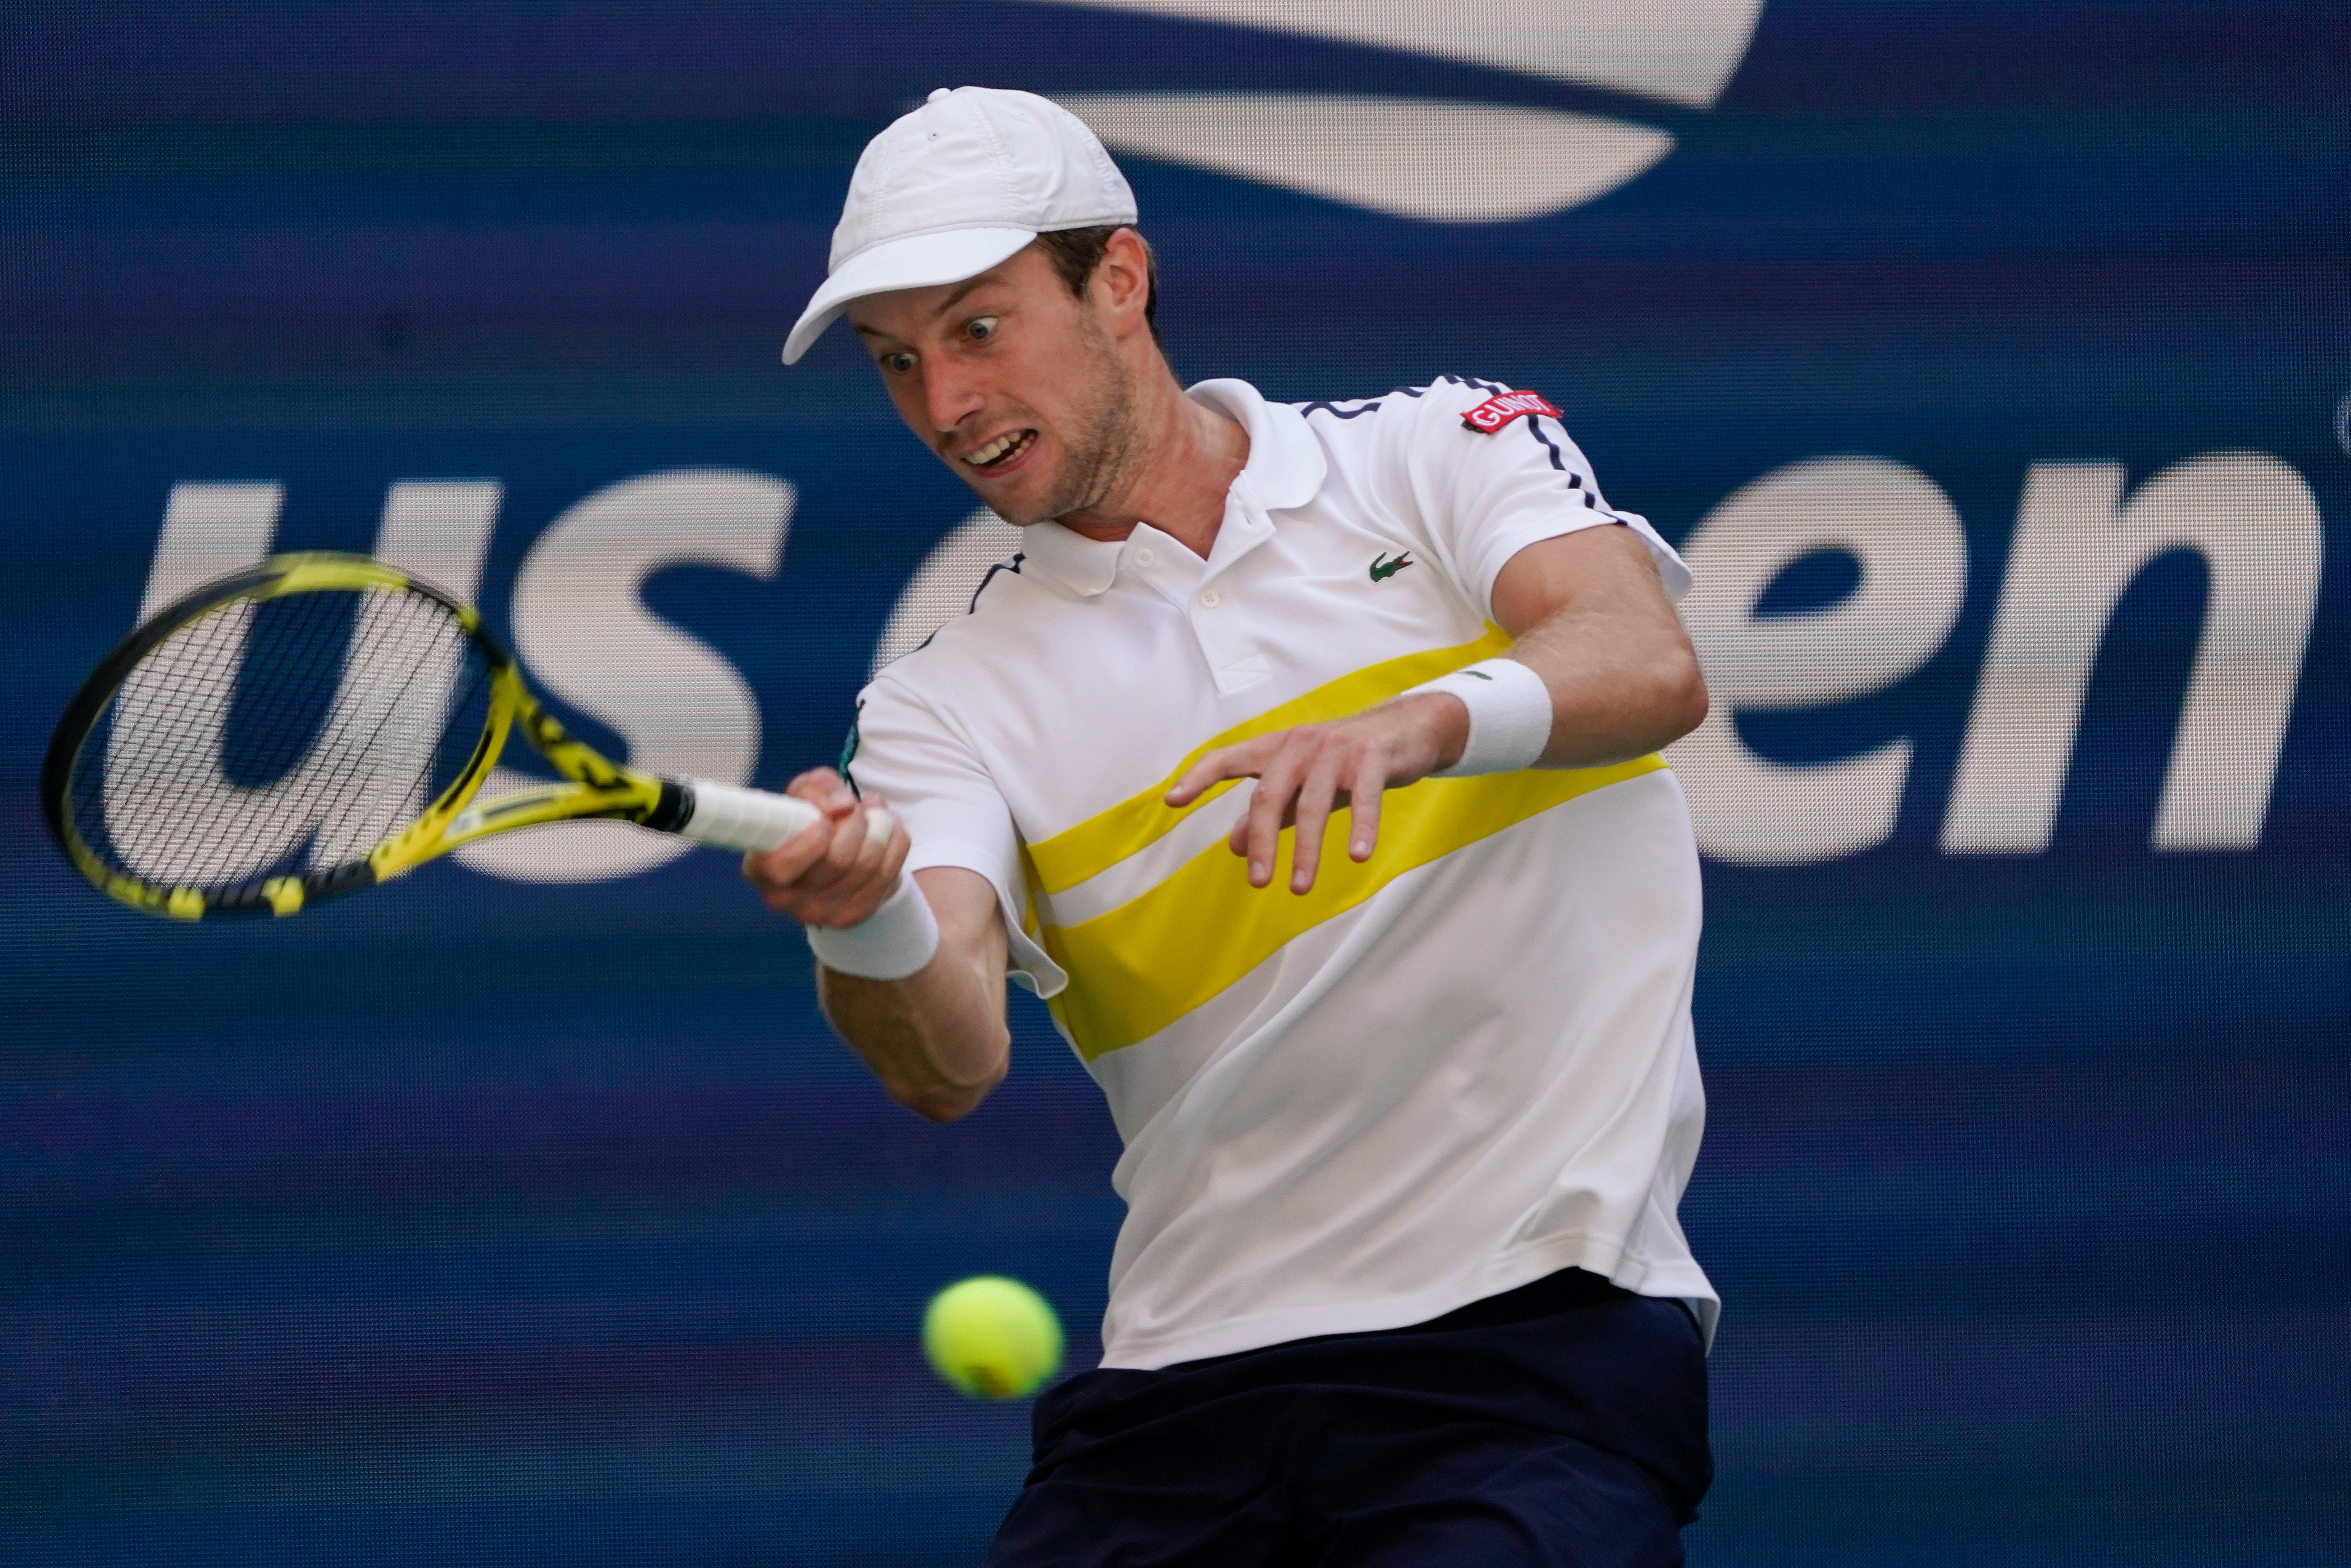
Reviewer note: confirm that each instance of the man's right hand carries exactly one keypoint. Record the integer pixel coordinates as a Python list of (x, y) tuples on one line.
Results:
[(837, 871)]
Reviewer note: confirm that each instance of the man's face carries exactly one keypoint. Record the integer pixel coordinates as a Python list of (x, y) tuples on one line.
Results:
[(1013, 381)]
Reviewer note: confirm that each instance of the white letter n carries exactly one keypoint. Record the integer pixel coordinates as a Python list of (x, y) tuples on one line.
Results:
[(2078, 547)]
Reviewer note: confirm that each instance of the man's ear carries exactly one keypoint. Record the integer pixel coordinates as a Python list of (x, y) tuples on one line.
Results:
[(1121, 283)]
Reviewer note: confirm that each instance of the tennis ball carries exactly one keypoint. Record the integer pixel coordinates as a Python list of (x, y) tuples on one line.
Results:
[(992, 1337)]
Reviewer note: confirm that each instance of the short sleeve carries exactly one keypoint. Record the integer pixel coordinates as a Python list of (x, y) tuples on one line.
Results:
[(1484, 496), (904, 753)]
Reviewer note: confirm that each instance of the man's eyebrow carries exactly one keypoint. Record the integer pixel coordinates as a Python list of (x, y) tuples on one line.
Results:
[(949, 303), (952, 300)]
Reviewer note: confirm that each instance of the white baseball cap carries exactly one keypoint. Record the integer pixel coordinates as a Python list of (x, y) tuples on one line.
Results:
[(947, 192)]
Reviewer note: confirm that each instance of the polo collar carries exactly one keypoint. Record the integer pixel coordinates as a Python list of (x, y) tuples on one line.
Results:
[(1083, 566), (1285, 468)]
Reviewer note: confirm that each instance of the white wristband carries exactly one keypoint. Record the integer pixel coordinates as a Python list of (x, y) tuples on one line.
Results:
[(1509, 716), (890, 944)]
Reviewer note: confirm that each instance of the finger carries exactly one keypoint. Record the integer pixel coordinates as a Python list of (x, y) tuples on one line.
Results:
[(1313, 814), (781, 895), (881, 831), (825, 873), (769, 887), (825, 790), (1238, 841), (775, 869), (1240, 761), (1246, 761), (1269, 802), (850, 834), (871, 882), (769, 870), (1365, 791), (887, 833)]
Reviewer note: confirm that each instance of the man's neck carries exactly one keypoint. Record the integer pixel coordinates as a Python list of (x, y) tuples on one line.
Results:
[(1186, 456)]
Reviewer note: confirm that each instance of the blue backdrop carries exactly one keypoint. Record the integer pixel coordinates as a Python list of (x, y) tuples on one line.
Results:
[(495, 1218)]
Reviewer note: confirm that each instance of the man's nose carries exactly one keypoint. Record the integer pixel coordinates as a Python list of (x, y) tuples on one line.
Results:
[(951, 394)]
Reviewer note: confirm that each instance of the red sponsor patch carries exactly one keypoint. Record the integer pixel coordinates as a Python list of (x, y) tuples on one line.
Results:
[(1499, 410)]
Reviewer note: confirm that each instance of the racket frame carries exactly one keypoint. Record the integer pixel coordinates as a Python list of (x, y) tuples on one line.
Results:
[(594, 786)]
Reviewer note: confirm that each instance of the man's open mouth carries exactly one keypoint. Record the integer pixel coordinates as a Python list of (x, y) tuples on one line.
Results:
[(1001, 450)]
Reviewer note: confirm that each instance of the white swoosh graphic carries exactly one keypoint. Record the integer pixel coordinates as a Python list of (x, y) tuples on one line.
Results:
[(1438, 162), (1679, 50)]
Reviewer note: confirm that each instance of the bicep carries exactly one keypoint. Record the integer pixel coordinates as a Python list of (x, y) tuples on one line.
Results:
[(1606, 570)]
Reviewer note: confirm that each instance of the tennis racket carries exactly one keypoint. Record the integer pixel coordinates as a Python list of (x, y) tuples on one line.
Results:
[(321, 723)]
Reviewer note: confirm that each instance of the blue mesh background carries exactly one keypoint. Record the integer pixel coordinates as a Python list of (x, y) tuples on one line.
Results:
[(483, 1221)]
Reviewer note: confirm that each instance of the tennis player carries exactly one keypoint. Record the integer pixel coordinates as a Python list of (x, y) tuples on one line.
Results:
[(1305, 759)]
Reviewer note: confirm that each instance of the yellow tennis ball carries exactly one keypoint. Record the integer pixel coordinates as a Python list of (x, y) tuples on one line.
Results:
[(992, 1337)]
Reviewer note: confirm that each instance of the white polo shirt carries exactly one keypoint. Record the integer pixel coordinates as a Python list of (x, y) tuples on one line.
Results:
[(1439, 1075)]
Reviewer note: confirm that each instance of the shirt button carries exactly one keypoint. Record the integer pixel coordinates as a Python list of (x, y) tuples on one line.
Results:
[(1211, 599), (1146, 557)]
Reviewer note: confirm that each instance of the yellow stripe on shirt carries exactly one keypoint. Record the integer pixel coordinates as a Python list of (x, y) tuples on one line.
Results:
[(1102, 840), (1141, 966)]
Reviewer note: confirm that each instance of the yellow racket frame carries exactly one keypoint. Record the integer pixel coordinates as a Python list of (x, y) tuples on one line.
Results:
[(594, 786)]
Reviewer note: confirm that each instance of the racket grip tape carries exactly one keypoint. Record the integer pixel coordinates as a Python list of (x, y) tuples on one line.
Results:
[(753, 822)]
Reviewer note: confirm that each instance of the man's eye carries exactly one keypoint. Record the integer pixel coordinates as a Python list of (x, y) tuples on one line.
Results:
[(897, 364), (980, 328)]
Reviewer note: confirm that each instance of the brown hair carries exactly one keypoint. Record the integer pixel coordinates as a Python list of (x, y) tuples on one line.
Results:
[(1075, 252)]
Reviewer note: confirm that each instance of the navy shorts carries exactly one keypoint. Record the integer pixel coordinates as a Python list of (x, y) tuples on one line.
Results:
[(1562, 1422)]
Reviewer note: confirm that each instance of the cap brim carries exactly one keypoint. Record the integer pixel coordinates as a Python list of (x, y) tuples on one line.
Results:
[(918, 261)]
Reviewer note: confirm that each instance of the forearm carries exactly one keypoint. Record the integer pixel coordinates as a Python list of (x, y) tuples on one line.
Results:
[(1591, 618), (1619, 688), (936, 1040)]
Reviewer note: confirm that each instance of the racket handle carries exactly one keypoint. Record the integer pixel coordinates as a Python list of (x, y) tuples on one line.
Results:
[(729, 816)]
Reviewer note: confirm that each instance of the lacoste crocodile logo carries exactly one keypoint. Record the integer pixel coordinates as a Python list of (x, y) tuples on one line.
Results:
[(1383, 569)]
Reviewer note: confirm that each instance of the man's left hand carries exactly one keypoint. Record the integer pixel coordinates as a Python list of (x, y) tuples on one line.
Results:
[(1305, 774), (1588, 615)]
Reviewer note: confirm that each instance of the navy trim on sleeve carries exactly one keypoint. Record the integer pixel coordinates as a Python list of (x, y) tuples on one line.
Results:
[(1575, 479), (1558, 460), (1013, 566)]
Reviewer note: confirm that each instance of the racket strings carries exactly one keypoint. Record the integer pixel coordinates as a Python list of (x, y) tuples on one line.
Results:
[(272, 738)]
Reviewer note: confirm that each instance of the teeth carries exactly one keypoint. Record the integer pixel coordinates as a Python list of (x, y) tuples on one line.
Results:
[(997, 448)]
